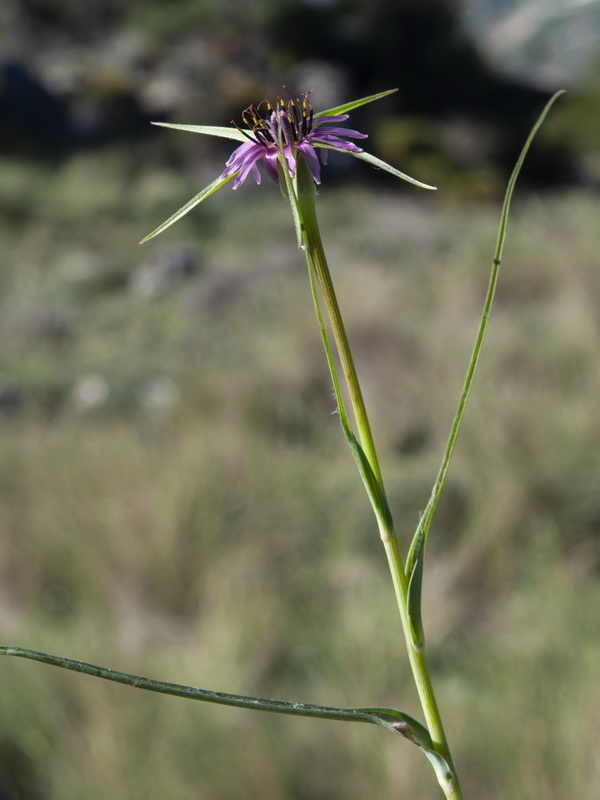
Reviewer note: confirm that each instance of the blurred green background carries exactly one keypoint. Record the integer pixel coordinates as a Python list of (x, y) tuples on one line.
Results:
[(176, 497)]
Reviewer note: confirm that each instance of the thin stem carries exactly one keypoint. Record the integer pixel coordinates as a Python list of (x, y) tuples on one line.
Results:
[(314, 246), (419, 669), (317, 261)]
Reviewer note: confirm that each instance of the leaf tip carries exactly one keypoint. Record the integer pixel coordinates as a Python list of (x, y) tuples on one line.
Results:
[(147, 238)]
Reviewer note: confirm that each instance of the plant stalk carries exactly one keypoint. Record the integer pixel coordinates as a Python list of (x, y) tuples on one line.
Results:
[(316, 258)]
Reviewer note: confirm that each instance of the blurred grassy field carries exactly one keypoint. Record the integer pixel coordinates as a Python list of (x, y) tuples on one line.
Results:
[(176, 498)]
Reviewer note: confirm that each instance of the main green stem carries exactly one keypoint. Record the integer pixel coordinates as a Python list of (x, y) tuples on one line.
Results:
[(316, 259)]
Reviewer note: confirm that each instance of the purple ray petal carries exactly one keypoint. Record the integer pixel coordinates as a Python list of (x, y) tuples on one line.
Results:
[(334, 141), (312, 162), (289, 157), (244, 154), (343, 131), (250, 166), (270, 159), (318, 121)]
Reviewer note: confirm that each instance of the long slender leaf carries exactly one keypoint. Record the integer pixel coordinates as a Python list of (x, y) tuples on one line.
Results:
[(389, 718), (429, 511), (420, 538)]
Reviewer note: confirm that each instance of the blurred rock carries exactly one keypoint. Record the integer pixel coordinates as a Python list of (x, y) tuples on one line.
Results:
[(54, 325), (466, 142), (166, 268), (90, 394), (37, 121), (46, 320), (159, 394), (32, 118), (329, 82), (413, 441), (89, 272), (540, 44), (11, 396)]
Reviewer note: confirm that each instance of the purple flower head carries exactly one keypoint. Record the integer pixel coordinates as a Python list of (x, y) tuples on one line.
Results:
[(285, 130), (276, 137)]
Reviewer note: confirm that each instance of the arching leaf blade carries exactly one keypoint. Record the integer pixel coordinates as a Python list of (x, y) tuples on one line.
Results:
[(393, 720)]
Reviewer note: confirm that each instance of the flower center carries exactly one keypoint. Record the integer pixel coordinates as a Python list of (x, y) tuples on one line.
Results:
[(291, 119)]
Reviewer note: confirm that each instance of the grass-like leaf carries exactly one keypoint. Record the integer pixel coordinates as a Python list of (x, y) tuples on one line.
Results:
[(420, 538), (395, 721)]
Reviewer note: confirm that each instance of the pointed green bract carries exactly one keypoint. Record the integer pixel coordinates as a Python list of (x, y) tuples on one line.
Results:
[(346, 107), (206, 192), (209, 130), (378, 164)]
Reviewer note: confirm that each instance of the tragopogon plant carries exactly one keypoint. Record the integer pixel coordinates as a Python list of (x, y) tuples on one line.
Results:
[(285, 136)]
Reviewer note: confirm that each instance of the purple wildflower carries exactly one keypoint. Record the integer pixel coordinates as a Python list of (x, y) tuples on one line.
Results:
[(277, 137), (289, 128)]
